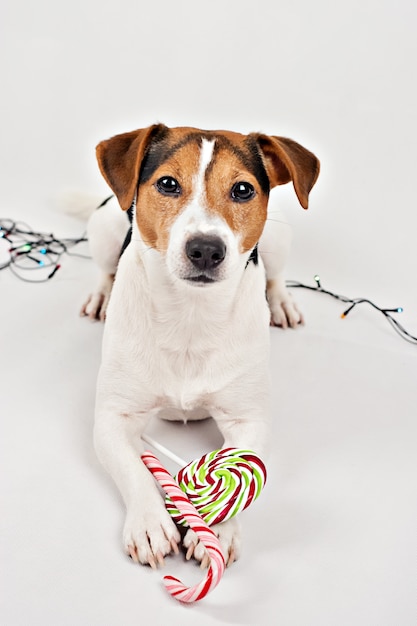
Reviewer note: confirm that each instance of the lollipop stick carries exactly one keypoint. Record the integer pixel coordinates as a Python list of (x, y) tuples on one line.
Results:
[(168, 453)]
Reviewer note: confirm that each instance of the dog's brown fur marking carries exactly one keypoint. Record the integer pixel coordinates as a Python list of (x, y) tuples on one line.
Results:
[(133, 162)]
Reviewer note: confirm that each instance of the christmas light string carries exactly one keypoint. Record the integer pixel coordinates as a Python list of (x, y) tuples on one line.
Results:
[(30, 250), (353, 302)]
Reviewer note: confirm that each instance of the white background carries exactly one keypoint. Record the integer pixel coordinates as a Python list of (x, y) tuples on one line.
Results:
[(333, 539)]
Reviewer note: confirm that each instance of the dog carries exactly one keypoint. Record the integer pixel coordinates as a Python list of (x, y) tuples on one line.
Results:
[(188, 303)]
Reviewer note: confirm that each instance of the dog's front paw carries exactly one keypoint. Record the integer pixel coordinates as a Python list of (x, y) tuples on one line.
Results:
[(150, 535), (284, 311), (95, 306), (229, 535)]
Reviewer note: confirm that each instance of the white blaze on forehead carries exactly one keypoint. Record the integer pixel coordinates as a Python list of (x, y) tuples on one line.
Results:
[(206, 155), (197, 220)]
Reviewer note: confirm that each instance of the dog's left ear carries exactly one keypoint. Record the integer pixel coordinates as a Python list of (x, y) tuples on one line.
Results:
[(286, 160), (120, 159)]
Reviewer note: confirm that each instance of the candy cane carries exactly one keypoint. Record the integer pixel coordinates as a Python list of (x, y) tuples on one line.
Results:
[(217, 563)]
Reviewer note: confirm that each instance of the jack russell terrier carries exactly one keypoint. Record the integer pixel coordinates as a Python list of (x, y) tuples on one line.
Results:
[(187, 324)]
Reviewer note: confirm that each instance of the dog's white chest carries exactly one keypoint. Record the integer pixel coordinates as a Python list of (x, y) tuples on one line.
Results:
[(180, 353), (188, 371)]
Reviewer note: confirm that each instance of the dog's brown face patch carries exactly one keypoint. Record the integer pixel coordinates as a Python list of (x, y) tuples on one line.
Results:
[(132, 159), (219, 173), (156, 211), (237, 188)]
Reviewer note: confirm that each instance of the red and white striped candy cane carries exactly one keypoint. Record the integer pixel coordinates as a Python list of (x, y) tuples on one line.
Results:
[(217, 563)]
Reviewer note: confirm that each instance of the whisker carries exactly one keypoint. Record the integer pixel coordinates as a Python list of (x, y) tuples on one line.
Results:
[(148, 247), (271, 219)]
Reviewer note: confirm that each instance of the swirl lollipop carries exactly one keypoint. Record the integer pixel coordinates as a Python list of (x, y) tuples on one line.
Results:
[(208, 490), (220, 484)]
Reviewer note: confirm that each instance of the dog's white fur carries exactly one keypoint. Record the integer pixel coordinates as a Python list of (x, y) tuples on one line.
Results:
[(181, 351)]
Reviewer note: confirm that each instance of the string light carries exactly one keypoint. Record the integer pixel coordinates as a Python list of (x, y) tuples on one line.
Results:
[(353, 302), (30, 250)]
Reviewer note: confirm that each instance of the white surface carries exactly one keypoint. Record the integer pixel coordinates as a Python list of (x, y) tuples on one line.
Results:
[(333, 538)]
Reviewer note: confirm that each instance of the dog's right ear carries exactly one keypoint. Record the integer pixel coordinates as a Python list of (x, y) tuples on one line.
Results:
[(120, 159)]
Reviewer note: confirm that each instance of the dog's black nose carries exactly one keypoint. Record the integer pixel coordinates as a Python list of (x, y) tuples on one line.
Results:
[(205, 253)]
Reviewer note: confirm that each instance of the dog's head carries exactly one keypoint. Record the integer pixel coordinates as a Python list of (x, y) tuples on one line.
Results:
[(201, 196)]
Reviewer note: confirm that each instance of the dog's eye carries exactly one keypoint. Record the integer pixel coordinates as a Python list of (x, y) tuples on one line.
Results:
[(241, 192), (168, 186)]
